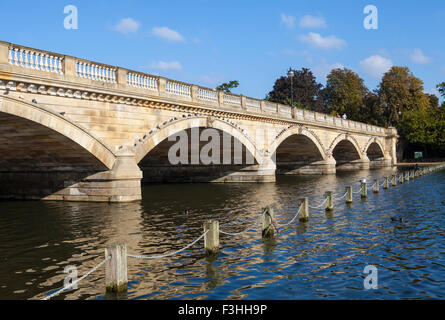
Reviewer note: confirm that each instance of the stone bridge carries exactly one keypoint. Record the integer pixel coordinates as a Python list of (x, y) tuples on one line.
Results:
[(72, 129)]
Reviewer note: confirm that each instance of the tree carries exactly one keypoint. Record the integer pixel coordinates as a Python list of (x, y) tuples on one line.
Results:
[(433, 101), (373, 112), (226, 87), (345, 93), (441, 88), (400, 91), (306, 91)]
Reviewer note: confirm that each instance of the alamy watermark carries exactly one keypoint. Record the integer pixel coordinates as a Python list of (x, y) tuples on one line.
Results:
[(71, 21), (218, 148), (371, 280), (371, 21), (71, 278)]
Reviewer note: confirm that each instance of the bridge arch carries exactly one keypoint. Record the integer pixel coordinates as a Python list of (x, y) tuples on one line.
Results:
[(298, 131), (63, 128), (298, 150), (178, 125), (374, 149), (348, 144)]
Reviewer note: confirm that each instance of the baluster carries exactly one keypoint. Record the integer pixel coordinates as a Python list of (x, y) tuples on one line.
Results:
[(31, 59), (16, 57), (96, 72), (107, 74), (21, 58), (86, 70), (37, 62), (26, 52), (58, 65), (46, 63), (89, 69), (113, 76), (51, 65)]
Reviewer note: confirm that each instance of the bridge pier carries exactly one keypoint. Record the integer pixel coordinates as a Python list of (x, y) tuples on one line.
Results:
[(120, 184), (361, 164), (380, 163), (307, 168)]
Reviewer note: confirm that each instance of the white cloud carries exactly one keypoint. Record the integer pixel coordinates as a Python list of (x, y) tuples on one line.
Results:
[(433, 91), (309, 21), (167, 33), (418, 57), (330, 42), (127, 25), (376, 65), (163, 65), (288, 21), (322, 70)]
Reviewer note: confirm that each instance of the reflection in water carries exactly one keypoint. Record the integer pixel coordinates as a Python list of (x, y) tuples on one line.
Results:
[(321, 258)]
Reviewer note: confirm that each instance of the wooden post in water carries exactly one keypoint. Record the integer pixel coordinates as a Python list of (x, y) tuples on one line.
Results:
[(401, 178), (375, 187), (386, 183), (211, 239), (364, 190), (394, 180), (304, 213), (349, 194), (268, 219), (116, 268), (329, 206), (406, 175)]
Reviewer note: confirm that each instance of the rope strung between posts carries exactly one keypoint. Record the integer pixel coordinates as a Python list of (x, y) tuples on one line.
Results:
[(238, 233), (292, 220), (358, 191), (320, 205), (76, 281), (168, 254), (343, 196)]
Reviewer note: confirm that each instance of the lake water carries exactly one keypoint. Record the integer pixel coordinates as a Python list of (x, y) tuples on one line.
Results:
[(323, 258)]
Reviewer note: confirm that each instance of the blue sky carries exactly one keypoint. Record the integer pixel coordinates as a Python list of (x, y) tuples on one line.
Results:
[(255, 42)]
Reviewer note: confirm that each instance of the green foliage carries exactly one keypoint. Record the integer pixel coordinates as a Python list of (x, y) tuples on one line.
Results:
[(441, 88), (345, 93), (306, 91), (401, 91), (226, 87)]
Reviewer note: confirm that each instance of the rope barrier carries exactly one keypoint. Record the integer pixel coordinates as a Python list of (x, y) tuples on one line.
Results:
[(343, 196), (168, 254), (292, 220), (238, 233), (77, 281), (358, 191), (320, 205)]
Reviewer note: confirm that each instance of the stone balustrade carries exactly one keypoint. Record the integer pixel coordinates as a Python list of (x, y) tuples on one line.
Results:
[(96, 72), (35, 59), (41, 61)]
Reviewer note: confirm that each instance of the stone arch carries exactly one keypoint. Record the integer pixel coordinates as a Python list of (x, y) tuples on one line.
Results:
[(345, 137), (378, 146), (56, 122), (298, 130), (162, 133)]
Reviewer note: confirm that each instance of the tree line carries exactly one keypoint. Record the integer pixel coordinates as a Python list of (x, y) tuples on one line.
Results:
[(398, 101)]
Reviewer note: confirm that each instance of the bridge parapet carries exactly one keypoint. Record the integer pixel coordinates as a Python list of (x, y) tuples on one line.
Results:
[(20, 63)]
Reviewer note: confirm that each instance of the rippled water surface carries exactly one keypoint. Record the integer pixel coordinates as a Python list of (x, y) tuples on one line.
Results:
[(323, 258)]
